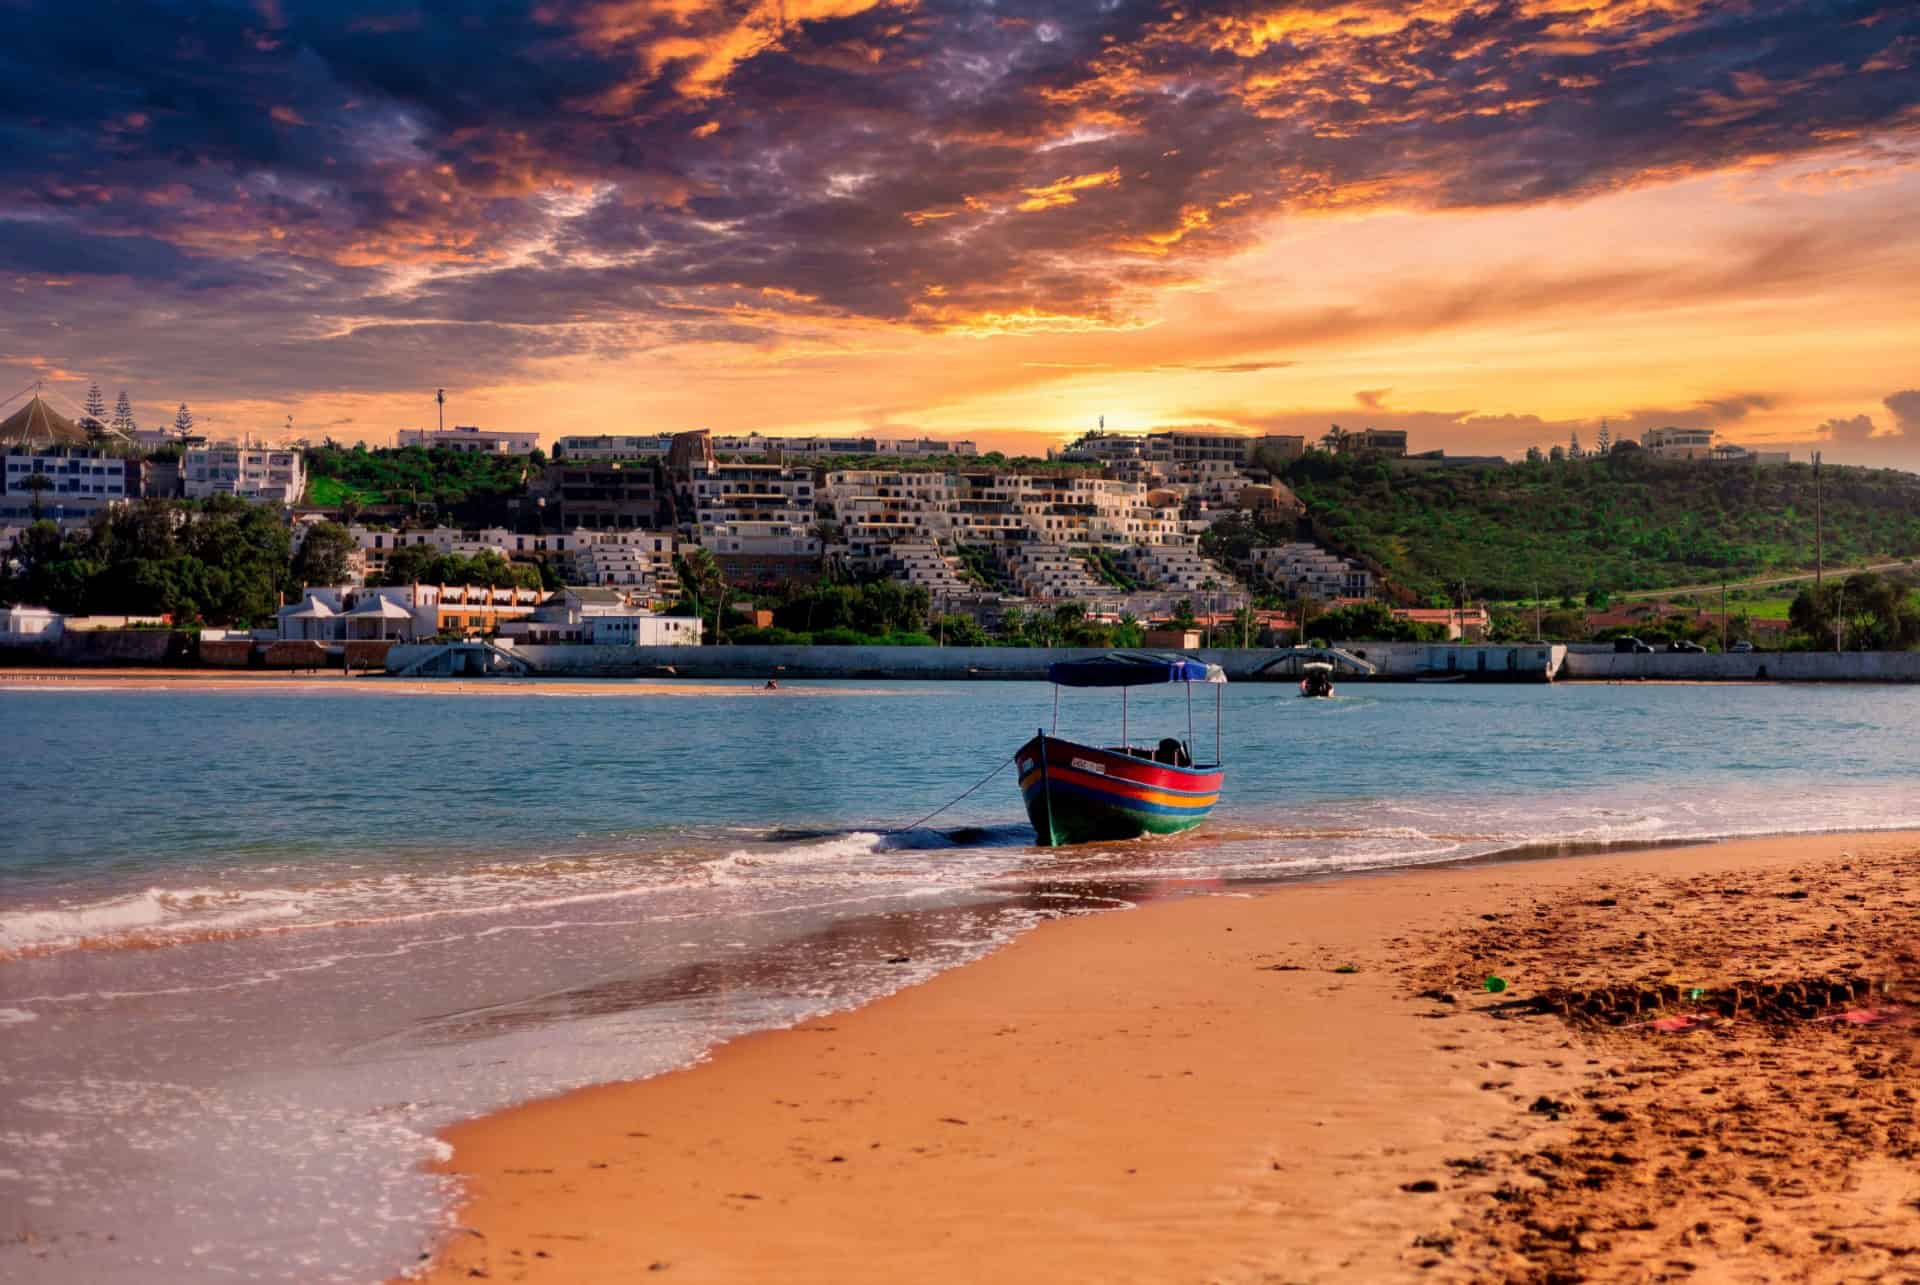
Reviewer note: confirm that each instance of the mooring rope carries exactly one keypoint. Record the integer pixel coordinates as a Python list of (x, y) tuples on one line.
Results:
[(943, 807)]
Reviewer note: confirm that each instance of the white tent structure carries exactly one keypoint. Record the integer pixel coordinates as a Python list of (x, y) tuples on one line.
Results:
[(379, 619)]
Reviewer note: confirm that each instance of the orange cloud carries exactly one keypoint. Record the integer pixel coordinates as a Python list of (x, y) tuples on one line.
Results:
[(1193, 218), (1061, 191)]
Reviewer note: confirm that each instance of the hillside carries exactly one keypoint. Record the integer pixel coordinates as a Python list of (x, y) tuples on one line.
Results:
[(1617, 524), (470, 489)]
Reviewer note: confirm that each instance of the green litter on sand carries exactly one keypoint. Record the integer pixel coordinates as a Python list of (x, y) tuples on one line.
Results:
[(1696, 994), (1495, 984)]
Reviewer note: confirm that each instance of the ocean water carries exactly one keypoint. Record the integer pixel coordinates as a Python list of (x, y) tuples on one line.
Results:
[(256, 946)]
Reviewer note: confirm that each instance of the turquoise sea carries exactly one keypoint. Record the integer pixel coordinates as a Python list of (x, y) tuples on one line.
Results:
[(256, 946)]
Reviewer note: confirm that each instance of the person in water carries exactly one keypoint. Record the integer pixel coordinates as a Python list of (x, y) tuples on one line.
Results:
[(771, 686)]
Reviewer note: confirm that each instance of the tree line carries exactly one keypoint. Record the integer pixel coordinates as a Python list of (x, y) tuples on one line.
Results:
[(1620, 523)]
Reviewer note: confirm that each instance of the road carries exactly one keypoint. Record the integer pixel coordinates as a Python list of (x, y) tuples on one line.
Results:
[(1765, 581)]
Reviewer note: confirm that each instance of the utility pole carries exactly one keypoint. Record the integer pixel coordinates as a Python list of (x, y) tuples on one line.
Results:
[(1723, 612), (1819, 531)]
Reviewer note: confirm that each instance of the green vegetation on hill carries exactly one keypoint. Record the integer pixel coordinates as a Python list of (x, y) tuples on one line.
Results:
[(466, 488), (1616, 524), (331, 493)]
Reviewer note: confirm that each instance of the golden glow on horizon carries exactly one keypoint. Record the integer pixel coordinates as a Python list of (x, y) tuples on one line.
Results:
[(1766, 288)]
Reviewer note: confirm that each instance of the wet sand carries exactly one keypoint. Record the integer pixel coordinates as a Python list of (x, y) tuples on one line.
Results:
[(338, 682), (1310, 1084)]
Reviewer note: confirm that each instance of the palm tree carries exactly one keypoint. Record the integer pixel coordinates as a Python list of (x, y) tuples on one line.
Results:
[(37, 482), (701, 577)]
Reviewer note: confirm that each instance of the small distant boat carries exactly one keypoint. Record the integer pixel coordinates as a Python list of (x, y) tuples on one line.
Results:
[(1082, 793), (1317, 679), (1438, 678)]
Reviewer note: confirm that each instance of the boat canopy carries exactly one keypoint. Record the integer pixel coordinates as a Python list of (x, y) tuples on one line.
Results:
[(1132, 669)]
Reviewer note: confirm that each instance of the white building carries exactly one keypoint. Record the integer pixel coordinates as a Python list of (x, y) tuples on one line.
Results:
[(26, 626), (404, 613), (1306, 568), (1728, 453), (639, 559), (474, 441), (73, 480), (760, 445), (602, 616), (1678, 443), (922, 446), (377, 544), (274, 475), (1101, 447), (1052, 572), (1178, 446), (757, 519), (608, 447), (924, 565), (878, 507), (1179, 569), (643, 629)]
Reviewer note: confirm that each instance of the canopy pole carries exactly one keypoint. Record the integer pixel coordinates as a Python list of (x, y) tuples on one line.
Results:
[(1124, 743), (1216, 727), (1056, 709), (1189, 687)]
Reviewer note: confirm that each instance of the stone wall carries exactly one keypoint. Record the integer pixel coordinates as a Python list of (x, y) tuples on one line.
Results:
[(128, 647), (226, 653)]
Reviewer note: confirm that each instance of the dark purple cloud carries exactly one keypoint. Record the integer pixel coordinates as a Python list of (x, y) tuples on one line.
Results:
[(627, 171)]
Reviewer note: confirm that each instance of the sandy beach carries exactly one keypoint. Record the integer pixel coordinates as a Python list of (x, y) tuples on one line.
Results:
[(1310, 1084), (339, 683)]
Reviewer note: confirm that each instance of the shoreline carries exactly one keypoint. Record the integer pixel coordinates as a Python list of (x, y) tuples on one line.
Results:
[(1143, 1096), (335, 682)]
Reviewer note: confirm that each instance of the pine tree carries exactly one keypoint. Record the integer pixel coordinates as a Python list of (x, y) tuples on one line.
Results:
[(1573, 446), (123, 416), (1606, 439), (96, 406), (183, 422)]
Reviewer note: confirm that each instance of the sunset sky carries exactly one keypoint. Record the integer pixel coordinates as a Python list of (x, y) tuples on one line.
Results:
[(1491, 224)]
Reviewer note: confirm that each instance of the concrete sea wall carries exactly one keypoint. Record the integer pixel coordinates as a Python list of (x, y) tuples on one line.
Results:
[(1758, 666), (1394, 660)]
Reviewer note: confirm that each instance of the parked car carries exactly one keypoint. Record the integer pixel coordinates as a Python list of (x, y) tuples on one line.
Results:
[(1631, 645), (1692, 648), (1742, 647)]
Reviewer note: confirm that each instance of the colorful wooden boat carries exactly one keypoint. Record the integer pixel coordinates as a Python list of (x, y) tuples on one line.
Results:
[(1082, 793)]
